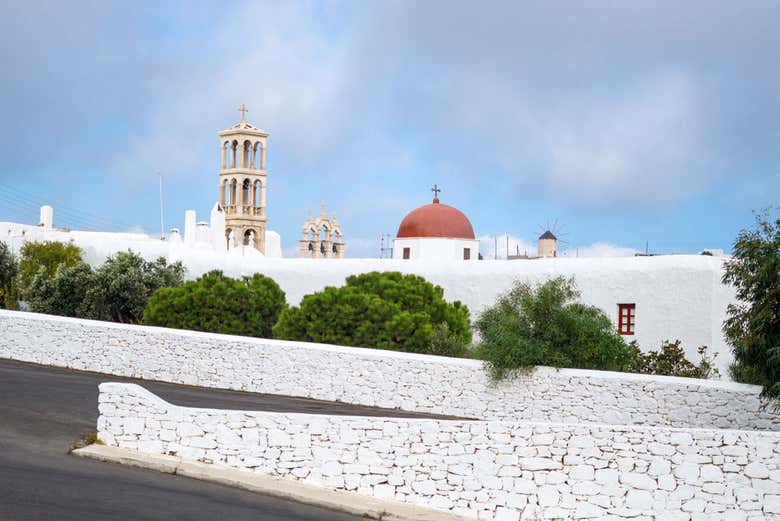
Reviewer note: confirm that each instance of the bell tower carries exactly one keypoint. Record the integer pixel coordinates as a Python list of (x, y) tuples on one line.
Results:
[(242, 183)]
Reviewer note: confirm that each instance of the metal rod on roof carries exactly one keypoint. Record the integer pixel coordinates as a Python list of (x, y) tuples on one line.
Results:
[(162, 225)]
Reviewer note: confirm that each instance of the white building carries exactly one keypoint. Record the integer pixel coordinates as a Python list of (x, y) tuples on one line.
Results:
[(200, 239), (436, 232)]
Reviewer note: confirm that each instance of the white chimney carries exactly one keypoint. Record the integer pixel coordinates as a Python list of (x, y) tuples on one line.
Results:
[(47, 217), (189, 227)]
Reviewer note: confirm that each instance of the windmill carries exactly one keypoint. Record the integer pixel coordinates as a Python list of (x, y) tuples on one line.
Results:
[(550, 235)]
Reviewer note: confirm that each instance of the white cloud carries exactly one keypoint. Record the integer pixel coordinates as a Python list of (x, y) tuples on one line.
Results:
[(600, 249), (291, 77), (641, 149)]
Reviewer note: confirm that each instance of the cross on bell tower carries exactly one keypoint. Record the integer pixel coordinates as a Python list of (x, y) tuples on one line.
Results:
[(243, 110)]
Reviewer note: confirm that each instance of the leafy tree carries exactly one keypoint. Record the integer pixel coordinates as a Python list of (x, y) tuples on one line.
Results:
[(381, 310), (121, 287), (752, 327), (670, 361), (219, 304), (8, 272), (62, 293), (543, 325), (44, 255)]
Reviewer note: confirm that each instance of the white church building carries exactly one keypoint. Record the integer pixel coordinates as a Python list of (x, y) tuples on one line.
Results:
[(438, 232)]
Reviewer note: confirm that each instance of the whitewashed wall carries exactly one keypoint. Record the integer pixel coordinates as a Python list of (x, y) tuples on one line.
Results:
[(379, 378), (494, 470), (436, 249), (676, 296)]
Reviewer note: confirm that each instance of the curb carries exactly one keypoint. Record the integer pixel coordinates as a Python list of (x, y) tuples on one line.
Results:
[(339, 500)]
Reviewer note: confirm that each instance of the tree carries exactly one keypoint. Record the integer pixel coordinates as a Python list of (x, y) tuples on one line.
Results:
[(249, 306), (752, 327), (63, 293), (381, 310), (44, 255), (670, 361), (543, 325), (121, 287), (8, 271)]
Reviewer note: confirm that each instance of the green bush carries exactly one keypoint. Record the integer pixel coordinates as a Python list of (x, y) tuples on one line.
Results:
[(670, 361), (752, 327), (44, 255), (219, 304), (8, 272), (63, 293), (117, 291), (380, 310), (543, 325), (122, 285)]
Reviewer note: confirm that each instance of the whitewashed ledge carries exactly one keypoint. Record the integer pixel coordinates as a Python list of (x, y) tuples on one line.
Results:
[(486, 470), (381, 378)]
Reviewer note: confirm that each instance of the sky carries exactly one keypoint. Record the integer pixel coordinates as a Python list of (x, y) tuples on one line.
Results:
[(623, 126)]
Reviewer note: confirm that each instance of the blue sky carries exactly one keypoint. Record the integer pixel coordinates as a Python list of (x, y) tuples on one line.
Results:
[(624, 122)]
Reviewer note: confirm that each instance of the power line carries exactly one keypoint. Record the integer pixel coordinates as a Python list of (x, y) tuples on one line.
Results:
[(79, 217), (62, 208), (32, 209)]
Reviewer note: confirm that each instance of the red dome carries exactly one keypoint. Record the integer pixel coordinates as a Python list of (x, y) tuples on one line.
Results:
[(436, 220)]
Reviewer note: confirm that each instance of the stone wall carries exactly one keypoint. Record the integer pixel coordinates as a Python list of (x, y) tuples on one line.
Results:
[(380, 378), (490, 470)]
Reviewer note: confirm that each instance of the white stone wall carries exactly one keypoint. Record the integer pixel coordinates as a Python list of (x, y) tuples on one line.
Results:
[(380, 378), (490, 470)]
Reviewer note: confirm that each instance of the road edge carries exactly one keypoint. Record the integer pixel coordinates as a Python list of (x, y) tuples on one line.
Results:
[(339, 500)]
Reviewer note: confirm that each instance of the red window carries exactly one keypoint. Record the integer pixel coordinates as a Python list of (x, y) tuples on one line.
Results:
[(626, 318), (407, 252), (466, 253)]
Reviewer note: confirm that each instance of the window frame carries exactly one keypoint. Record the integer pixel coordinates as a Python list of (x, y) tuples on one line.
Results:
[(406, 253), (466, 253), (626, 323)]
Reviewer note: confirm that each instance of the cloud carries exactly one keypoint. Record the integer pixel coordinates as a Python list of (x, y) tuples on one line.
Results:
[(642, 149), (600, 249)]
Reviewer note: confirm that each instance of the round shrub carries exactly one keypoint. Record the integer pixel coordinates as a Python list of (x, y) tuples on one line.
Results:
[(219, 304), (380, 310), (542, 325)]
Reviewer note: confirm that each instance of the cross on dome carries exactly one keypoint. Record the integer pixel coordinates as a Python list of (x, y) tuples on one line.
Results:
[(435, 191)]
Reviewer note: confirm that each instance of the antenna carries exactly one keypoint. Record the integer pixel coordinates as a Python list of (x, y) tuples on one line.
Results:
[(385, 248), (162, 224)]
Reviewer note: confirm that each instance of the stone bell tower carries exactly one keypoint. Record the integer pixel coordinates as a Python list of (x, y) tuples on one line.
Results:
[(242, 182)]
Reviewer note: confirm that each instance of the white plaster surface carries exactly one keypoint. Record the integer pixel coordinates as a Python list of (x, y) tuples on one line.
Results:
[(436, 249), (380, 378), (487, 470)]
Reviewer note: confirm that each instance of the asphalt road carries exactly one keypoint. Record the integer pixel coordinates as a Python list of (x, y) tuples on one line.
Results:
[(44, 409)]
